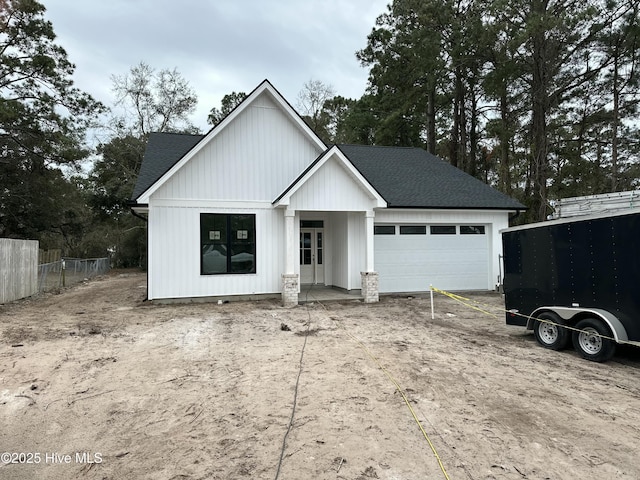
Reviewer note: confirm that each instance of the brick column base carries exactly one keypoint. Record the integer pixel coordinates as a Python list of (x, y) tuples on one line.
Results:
[(369, 286), (289, 289)]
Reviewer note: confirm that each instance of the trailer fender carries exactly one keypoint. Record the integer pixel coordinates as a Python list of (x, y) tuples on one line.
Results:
[(569, 313)]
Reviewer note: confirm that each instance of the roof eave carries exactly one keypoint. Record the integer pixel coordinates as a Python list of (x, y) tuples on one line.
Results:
[(449, 207), (139, 209)]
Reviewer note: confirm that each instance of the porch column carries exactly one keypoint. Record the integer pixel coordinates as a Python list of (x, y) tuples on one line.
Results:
[(290, 282), (289, 241), (368, 231), (369, 278)]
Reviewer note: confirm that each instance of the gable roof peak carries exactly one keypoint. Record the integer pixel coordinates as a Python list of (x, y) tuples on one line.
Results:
[(165, 168)]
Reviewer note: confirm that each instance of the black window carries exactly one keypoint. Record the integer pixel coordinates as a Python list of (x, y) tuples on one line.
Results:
[(471, 229), (413, 230), (228, 243), (443, 229), (384, 230)]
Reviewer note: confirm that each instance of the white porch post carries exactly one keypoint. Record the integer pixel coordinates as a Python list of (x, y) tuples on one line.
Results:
[(289, 241), (369, 216), (369, 278), (289, 277)]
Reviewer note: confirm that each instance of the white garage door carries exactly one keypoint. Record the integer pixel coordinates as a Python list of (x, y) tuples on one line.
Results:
[(409, 258)]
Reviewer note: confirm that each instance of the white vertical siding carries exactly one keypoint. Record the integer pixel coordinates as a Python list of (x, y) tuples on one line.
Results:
[(444, 217), (357, 248), (339, 235), (174, 250), (495, 245), (329, 250), (241, 170), (255, 158), (331, 188)]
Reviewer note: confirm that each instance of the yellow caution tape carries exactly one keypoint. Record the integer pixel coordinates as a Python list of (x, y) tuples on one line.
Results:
[(404, 397), (464, 301), (398, 389)]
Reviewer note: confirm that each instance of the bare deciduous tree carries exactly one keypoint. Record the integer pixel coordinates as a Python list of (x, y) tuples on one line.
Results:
[(311, 100), (155, 101)]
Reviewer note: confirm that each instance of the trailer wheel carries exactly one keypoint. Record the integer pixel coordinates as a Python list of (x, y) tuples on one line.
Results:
[(549, 332), (590, 343)]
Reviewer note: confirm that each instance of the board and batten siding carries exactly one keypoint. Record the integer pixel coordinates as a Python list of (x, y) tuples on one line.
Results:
[(357, 248), (254, 158), (174, 254), (240, 170), (337, 233), (344, 233), (493, 221), (18, 269), (331, 188)]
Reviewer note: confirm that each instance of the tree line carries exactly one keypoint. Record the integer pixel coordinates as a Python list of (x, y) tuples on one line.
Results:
[(45, 194), (538, 98)]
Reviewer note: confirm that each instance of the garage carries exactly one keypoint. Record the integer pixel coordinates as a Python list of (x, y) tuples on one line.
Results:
[(409, 258)]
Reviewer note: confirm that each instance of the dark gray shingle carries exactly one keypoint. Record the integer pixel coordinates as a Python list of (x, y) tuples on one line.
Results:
[(405, 177), (163, 151), (413, 178)]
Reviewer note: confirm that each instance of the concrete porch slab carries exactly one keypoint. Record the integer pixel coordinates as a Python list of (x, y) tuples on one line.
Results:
[(323, 293)]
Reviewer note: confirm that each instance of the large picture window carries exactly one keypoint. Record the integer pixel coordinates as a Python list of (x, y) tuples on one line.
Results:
[(227, 243)]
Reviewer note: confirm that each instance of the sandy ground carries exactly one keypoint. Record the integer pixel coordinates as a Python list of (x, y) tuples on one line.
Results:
[(205, 391)]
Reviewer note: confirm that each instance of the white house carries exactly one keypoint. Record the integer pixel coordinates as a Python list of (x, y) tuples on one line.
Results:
[(260, 205)]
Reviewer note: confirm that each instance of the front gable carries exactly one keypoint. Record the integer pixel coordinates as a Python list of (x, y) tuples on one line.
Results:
[(252, 155), (331, 184)]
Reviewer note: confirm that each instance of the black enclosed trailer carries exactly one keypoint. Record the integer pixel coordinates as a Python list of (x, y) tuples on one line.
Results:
[(582, 273)]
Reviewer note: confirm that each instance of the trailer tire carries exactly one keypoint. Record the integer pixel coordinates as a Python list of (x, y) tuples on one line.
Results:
[(549, 332), (589, 342)]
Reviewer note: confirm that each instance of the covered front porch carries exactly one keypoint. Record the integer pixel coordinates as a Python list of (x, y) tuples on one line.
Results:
[(329, 249), (329, 214)]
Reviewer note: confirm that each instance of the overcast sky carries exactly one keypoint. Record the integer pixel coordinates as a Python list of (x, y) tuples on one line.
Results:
[(219, 46)]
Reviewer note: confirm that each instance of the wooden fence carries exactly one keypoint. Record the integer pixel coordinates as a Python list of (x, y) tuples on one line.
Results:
[(18, 269), (49, 256)]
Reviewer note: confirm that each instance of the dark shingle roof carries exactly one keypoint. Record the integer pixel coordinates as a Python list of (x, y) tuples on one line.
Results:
[(412, 178), (163, 152), (405, 177)]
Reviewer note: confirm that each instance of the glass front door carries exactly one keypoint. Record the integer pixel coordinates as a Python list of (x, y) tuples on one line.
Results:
[(311, 255)]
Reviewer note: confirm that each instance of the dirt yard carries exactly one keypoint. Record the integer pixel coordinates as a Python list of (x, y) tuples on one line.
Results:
[(97, 384)]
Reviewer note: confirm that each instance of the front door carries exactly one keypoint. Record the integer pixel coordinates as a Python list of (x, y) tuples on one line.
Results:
[(311, 255)]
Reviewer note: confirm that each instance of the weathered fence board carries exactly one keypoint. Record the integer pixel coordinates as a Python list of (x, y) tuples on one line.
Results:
[(18, 269), (49, 256)]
